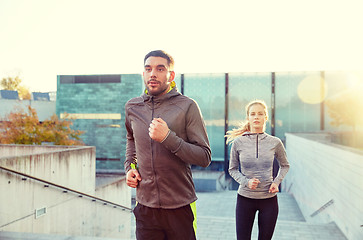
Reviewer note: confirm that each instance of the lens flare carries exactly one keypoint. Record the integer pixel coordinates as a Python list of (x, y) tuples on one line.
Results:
[(312, 90)]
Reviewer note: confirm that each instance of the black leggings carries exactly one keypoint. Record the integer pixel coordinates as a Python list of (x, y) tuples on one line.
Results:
[(246, 209)]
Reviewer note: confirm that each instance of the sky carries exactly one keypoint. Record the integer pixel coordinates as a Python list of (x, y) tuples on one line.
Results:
[(40, 39)]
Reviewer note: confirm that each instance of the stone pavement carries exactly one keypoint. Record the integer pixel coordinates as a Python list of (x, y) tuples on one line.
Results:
[(37, 236), (216, 211), (216, 221), (215, 216)]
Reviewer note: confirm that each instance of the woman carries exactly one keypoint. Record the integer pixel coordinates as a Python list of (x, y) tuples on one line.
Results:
[(254, 151)]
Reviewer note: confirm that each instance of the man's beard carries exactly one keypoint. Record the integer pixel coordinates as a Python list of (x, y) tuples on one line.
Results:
[(157, 91)]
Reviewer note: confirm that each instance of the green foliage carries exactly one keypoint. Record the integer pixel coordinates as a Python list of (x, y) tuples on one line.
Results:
[(25, 128)]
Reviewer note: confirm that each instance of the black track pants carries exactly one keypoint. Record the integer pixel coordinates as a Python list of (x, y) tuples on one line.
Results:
[(246, 209), (163, 224)]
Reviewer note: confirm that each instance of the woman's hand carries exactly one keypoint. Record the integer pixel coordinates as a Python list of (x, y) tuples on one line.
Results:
[(274, 188), (253, 183)]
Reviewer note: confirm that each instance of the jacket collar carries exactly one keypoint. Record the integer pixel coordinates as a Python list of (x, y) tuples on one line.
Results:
[(260, 135), (172, 93)]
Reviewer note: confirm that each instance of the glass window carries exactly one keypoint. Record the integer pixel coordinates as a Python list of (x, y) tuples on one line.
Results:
[(243, 88), (64, 79), (208, 90), (177, 81), (110, 78), (297, 102)]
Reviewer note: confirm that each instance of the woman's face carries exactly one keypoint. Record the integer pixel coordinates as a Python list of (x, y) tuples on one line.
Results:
[(257, 118)]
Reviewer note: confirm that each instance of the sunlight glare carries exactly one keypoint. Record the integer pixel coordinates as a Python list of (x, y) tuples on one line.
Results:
[(308, 91)]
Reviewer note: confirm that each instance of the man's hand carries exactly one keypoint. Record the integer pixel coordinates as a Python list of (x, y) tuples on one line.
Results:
[(132, 178), (158, 129)]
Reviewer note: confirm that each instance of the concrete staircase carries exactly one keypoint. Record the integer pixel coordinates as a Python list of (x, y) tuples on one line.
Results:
[(216, 220), (35, 236)]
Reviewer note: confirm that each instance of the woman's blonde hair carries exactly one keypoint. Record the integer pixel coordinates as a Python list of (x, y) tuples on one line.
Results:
[(245, 126)]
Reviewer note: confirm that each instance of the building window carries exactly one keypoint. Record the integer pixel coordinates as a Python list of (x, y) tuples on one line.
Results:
[(71, 79)]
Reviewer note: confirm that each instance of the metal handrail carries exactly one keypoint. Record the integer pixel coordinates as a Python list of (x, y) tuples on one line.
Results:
[(322, 208), (65, 189)]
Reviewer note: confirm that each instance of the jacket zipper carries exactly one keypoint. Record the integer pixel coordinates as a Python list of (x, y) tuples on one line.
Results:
[(152, 152), (257, 146)]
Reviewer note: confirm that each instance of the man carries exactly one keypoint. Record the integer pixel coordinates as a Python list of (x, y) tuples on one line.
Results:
[(165, 135)]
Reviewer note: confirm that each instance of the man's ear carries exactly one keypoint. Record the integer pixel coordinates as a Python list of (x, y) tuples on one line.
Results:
[(172, 76)]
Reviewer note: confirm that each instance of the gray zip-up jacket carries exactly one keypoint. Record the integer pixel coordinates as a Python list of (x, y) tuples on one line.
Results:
[(165, 168), (254, 154)]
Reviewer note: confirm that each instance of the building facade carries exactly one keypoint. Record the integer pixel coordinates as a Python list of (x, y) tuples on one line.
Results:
[(96, 105), (296, 102)]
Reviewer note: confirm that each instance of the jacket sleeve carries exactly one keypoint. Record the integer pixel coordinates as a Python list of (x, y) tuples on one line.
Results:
[(130, 145), (196, 149), (234, 167), (281, 157)]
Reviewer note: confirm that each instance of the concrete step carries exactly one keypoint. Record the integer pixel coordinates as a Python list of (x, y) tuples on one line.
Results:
[(216, 219), (223, 204), (303, 230), (223, 228), (36, 236)]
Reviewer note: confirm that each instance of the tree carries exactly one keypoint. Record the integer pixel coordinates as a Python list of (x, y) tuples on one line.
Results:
[(346, 109), (24, 128), (24, 93), (60, 133), (10, 83), (14, 84)]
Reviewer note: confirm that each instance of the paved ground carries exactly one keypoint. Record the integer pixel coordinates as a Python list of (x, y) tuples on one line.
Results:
[(216, 221)]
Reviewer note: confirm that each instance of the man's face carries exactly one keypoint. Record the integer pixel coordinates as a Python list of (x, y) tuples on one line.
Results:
[(157, 77)]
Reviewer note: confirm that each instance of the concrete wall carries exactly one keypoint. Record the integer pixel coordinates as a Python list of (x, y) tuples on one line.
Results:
[(74, 168), (66, 213), (45, 109), (326, 181), (115, 191), (208, 181)]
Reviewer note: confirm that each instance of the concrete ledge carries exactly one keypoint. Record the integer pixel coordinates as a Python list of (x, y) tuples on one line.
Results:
[(325, 179), (37, 236), (209, 181)]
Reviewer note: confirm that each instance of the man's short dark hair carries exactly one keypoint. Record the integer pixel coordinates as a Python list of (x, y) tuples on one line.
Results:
[(163, 54)]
